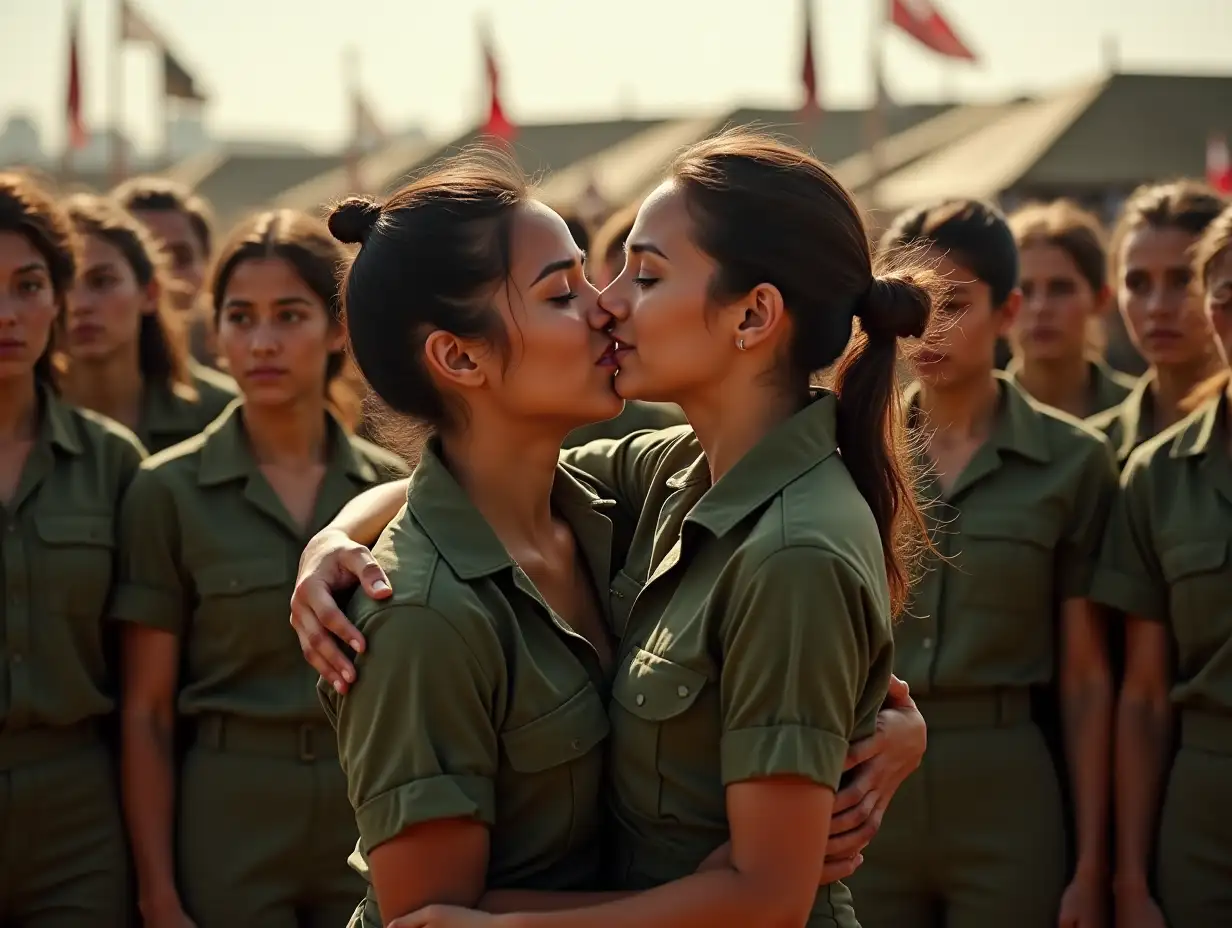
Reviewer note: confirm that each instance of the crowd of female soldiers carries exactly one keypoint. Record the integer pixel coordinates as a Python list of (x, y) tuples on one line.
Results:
[(1064, 616)]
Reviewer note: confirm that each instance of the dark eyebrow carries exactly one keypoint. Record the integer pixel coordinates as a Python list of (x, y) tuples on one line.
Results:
[(563, 264), (638, 248), (291, 301), (32, 266)]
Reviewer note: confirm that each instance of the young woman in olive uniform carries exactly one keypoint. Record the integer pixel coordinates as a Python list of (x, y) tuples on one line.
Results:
[(211, 531), (1151, 253), (63, 861), (1020, 496), (1165, 564), (1065, 294), (125, 351), (733, 592)]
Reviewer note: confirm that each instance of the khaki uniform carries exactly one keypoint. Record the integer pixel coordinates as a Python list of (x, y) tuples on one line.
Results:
[(1106, 388), (474, 700), (209, 554), (170, 415), (756, 637), (1166, 559), (1131, 423), (976, 838), (635, 417), (63, 857)]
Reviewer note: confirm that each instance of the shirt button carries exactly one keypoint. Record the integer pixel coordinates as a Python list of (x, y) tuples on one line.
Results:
[(233, 584), (928, 642), (618, 594), (682, 691), (640, 699), (576, 744)]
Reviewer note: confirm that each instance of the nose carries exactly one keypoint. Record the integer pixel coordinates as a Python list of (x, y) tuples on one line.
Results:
[(80, 301), (596, 316), (614, 300), (265, 342)]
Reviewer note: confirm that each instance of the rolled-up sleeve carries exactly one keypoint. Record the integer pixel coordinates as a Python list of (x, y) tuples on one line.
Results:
[(1128, 576), (150, 589)]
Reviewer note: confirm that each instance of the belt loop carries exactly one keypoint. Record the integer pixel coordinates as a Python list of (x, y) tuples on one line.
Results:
[(306, 753)]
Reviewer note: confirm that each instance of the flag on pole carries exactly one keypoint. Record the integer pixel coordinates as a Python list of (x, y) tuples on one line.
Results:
[(921, 20), (72, 103), (178, 82), (366, 130), (497, 124), (1219, 163), (808, 72)]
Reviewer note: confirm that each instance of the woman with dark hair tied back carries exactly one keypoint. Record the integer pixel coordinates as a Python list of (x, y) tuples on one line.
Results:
[(250, 824), (748, 565), (1151, 257), (1020, 493), (1165, 564), (1065, 295), (63, 472), (125, 349)]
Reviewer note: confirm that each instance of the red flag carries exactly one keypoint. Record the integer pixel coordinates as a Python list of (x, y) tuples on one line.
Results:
[(72, 102), (497, 125), (808, 72), (1219, 164), (921, 20)]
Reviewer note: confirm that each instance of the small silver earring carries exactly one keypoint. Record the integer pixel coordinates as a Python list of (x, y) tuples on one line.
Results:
[(740, 344)]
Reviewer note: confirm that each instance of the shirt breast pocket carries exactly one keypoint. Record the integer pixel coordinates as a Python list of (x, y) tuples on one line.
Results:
[(75, 568), (242, 608), (1006, 562), (666, 744), (1199, 590), (557, 755)]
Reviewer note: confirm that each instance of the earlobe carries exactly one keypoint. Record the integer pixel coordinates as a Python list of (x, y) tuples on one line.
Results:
[(761, 317)]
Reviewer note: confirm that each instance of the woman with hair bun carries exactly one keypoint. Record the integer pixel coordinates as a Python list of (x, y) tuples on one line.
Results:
[(1019, 495), (736, 606), (126, 352), (250, 825)]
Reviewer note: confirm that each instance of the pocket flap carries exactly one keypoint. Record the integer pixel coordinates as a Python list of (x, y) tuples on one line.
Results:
[(233, 578), (566, 733), (1009, 525), (656, 689), (96, 531), (1195, 557)]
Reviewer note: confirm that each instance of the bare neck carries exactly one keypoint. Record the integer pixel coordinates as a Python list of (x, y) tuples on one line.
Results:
[(1063, 383), (291, 436), (112, 385), (18, 410), (1172, 384), (512, 491), (963, 413)]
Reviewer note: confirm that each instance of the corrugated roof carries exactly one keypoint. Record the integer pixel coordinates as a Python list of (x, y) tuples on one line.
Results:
[(242, 183), (378, 172)]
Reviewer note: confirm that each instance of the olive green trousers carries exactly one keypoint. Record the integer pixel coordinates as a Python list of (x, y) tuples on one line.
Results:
[(975, 838), (265, 828), (63, 855)]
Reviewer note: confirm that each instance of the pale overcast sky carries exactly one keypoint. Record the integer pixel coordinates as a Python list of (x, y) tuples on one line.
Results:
[(273, 67)]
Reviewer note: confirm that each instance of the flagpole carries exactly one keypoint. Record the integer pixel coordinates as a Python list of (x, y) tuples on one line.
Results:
[(118, 168), (164, 115), (878, 115), (66, 159)]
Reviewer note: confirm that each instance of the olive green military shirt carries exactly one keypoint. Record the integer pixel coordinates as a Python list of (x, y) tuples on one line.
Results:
[(209, 553), (171, 414), (474, 699), (635, 417), (57, 564), (1130, 423), (1017, 534), (1105, 387), (1165, 555), (759, 645)]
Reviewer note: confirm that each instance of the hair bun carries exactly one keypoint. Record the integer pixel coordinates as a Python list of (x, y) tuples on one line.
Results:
[(352, 220), (896, 306)]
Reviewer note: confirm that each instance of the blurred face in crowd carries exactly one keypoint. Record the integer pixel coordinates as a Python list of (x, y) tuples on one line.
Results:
[(107, 303), (275, 333), (27, 305), (557, 362), (186, 255), (674, 340), (960, 351), (1159, 299), (1058, 305), (1219, 299)]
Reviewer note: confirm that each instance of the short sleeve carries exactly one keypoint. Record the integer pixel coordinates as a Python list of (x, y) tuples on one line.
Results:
[(150, 589), (417, 736), (625, 468), (1078, 551), (1128, 576), (795, 649)]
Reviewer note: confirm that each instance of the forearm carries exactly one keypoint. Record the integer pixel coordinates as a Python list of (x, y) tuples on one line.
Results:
[(365, 517), (148, 784), (503, 901), (702, 900), (1088, 717), (1142, 741)]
